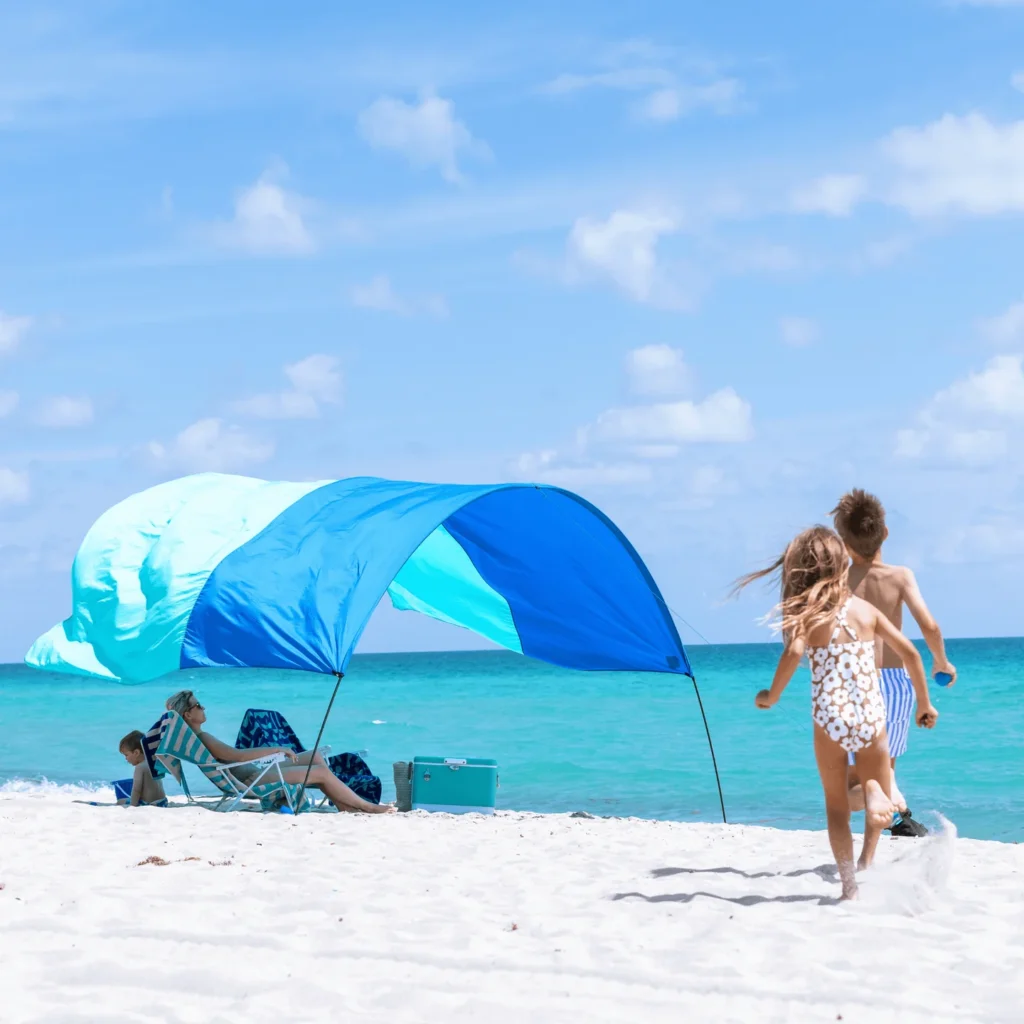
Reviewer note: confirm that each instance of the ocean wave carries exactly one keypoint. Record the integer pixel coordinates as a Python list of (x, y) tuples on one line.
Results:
[(44, 787)]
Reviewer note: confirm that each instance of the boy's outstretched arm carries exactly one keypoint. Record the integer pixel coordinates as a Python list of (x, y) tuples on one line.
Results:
[(783, 674), (926, 623)]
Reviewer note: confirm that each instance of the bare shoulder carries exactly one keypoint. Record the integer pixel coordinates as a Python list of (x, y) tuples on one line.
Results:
[(862, 614), (903, 576), (888, 571)]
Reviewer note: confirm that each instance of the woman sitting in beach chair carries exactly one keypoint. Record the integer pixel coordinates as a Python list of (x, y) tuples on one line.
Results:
[(185, 704)]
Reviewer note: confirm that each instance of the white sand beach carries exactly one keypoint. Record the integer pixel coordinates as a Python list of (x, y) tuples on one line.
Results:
[(186, 915)]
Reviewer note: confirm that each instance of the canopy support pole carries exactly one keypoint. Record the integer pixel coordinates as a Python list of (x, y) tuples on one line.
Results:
[(711, 747), (316, 746)]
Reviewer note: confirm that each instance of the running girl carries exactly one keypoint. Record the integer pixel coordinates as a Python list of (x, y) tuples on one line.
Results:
[(819, 617)]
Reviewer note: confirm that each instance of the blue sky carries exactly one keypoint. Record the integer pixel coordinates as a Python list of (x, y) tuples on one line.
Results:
[(708, 265)]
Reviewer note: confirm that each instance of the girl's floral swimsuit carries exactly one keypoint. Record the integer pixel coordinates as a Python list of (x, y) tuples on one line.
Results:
[(846, 699)]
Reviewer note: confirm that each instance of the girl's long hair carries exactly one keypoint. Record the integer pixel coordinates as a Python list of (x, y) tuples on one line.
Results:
[(813, 574)]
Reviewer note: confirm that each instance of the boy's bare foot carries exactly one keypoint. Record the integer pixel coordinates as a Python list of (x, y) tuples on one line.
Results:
[(898, 800), (877, 806)]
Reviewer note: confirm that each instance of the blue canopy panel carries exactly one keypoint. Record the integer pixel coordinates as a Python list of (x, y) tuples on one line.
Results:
[(219, 570)]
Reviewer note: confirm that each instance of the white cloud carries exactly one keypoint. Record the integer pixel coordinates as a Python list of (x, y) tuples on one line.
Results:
[(9, 402), (12, 330), (268, 221), (1017, 81), (316, 375), (762, 257), (315, 380), (972, 421), (657, 370), (627, 79), (548, 467), (709, 482), (705, 486), (65, 411), (278, 405), (965, 164), (427, 134), (14, 487), (798, 331), (378, 293), (669, 104), (674, 87), (883, 253), (997, 390), (834, 194), (623, 249), (623, 445), (663, 105), (210, 446), (722, 417), (1007, 328), (998, 539)]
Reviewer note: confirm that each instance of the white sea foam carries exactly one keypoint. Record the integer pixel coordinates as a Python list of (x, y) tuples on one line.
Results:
[(43, 787)]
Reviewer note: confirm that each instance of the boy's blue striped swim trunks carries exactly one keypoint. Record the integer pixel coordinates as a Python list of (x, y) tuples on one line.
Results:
[(898, 695)]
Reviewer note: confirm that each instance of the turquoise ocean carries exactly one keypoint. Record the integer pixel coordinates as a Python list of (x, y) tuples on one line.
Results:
[(608, 743)]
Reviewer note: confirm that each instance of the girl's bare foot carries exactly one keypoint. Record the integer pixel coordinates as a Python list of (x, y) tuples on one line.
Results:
[(877, 806)]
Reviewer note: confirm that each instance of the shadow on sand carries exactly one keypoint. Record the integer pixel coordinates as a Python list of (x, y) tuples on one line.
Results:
[(743, 901), (826, 872)]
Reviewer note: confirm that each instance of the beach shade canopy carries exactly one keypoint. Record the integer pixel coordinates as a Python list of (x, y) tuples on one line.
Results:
[(218, 570)]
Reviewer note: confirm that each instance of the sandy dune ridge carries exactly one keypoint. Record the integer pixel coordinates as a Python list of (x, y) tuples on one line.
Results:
[(184, 915)]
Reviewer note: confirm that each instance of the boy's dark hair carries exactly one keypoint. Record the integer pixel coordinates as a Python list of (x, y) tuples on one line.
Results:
[(860, 521), (133, 741)]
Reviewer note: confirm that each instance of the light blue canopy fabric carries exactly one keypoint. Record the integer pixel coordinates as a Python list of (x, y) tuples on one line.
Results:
[(219, 570)]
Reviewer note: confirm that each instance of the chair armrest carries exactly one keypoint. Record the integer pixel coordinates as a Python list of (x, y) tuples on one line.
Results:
[(268, 759)]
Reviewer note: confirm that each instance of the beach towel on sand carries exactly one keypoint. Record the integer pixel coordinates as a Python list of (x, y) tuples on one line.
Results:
[(270, 729)]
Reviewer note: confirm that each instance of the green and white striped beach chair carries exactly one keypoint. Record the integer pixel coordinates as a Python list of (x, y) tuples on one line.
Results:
[(179, 742)]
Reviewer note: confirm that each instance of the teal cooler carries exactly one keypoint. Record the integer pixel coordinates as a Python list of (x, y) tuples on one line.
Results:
[(457, 785)]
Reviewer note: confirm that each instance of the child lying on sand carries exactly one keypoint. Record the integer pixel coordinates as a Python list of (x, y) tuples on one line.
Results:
[(146, 790), (820, 617)]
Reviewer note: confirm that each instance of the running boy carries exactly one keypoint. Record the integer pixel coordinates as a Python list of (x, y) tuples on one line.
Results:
[(145, 789), (860, 521)]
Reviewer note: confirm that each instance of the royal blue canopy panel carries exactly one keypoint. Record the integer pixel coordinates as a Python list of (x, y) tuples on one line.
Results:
[(218, 570)]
